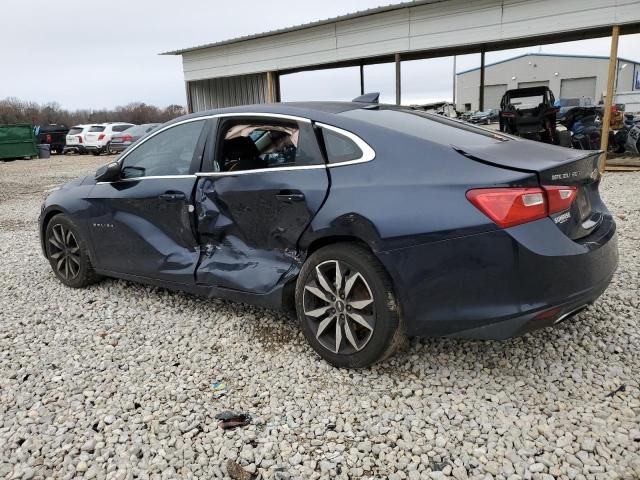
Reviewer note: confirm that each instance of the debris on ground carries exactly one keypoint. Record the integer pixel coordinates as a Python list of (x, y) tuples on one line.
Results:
[(230, 420), (621, 388), (235, 471), (219, 389)]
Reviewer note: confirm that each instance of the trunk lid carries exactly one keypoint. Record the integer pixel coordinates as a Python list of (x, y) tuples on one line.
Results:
[(554, 166)]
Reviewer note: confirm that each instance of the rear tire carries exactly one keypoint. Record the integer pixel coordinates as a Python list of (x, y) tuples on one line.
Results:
[(347, 307), (67, 253)]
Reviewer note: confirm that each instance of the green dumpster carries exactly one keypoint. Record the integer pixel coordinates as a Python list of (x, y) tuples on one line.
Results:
[(17, 141)]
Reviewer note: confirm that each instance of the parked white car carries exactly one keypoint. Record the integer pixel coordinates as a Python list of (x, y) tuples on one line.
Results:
[(98, 137), (75, 140)]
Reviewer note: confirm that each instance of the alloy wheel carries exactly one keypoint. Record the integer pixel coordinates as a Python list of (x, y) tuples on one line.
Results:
[(339, 306), (64, 251)]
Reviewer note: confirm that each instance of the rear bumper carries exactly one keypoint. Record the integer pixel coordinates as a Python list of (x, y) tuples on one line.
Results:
[(118, 147), (75, 148), (502, 283)]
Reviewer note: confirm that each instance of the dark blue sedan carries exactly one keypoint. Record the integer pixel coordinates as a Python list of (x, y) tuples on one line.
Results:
[(371, 222)]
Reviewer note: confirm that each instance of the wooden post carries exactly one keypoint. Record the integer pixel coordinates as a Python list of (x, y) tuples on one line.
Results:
[(608, 99), (361, 78), (481, 97), (270, 87), (398, 80)]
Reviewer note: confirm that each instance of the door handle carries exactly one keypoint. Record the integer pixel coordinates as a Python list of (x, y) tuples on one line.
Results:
[(290, 196), (172, 196)]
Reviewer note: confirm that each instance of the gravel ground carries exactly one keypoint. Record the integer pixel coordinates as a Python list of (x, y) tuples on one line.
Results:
[(115, 381)]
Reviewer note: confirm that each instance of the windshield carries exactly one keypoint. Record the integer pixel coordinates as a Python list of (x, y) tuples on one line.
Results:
[(96, 128), (75, 130), (527, 102)]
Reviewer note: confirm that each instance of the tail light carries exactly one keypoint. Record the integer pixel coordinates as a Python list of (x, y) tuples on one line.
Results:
[(47, 138), (127, 138), (79, 139), (101, 136), (508, 207)]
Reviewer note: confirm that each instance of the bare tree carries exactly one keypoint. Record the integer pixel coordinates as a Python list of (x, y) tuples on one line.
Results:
[(13, 110)]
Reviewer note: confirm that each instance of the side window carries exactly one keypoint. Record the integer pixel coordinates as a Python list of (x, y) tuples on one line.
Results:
[(251, 144), (340, 148), (168, 153), (120, 128)]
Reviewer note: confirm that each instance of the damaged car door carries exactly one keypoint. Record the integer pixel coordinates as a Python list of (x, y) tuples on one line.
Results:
[(266, 179), (143, 222)]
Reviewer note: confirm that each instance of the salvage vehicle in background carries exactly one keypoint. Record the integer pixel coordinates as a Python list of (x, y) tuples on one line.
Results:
[(485, 117), (54, 135), (529, 113), (75, 139), (121, 141), (367, 220), (98, 137)]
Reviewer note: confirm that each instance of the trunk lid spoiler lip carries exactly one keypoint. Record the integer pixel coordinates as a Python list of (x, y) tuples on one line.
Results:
[(468, 151)]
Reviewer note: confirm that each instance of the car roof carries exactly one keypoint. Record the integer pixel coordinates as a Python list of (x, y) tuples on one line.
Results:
[(303, 109)]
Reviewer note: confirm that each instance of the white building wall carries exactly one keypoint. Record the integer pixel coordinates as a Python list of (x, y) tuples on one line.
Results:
[(538, 68), (426, 26)]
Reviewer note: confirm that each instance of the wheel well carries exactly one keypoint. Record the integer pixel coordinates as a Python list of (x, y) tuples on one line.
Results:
[(47, 219), (289, 290), (325, 241)]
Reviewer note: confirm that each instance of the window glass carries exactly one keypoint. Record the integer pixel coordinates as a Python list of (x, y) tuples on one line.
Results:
[(120, 128), (340, 148), (168, 153), (434, 128), (75, 130), (97, 128), (259, 143)]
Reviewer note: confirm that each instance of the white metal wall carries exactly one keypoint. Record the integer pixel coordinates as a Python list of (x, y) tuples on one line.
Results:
[(533, 68), (228, 91), (437, 25)]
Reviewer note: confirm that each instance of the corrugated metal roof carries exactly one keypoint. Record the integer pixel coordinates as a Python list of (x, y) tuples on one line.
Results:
[(358, 14), (532, 54)]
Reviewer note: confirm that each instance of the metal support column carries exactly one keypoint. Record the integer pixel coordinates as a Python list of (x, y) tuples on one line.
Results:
[(481, 97), (608, 100), (270, 88), (361, 78), (189, 101), (454, 83), (398, 80)]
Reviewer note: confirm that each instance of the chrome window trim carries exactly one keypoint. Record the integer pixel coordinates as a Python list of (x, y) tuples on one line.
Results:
[(368, 153), (151, 177), (261, 170)]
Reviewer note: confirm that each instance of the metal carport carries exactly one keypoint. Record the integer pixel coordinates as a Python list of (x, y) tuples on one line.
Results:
[(246, 69)]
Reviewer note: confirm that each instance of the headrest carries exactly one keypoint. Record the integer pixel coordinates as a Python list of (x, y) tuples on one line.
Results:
[(240, 147)]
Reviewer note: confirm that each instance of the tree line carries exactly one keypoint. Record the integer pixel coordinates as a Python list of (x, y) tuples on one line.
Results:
[(13, 110)]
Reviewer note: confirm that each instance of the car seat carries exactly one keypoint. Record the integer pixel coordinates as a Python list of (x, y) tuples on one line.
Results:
[(241, 154)]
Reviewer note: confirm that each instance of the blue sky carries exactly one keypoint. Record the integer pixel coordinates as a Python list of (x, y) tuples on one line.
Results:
[(96, 54)]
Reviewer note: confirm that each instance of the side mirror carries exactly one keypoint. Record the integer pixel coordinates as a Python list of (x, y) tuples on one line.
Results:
[(108, 173)]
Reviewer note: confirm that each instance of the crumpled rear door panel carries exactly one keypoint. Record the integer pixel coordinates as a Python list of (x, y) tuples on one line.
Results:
[(249, 230)]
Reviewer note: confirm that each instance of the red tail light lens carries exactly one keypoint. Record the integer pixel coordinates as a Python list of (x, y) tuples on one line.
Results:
[(508, 207), (101, 136), (47, 138), (560, 198), (79, 139), (127, 138)]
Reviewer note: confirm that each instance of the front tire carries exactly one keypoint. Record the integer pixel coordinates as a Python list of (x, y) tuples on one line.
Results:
[(347, 307), (68, 254)]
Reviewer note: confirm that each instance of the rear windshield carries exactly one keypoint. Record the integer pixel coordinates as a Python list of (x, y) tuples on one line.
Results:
[(75, 130), (120, 128), (527, 102), (435, 128), (97, 128), (137, 130)]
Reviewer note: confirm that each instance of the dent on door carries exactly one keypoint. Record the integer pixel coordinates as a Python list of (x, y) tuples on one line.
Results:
[(249, 230)]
